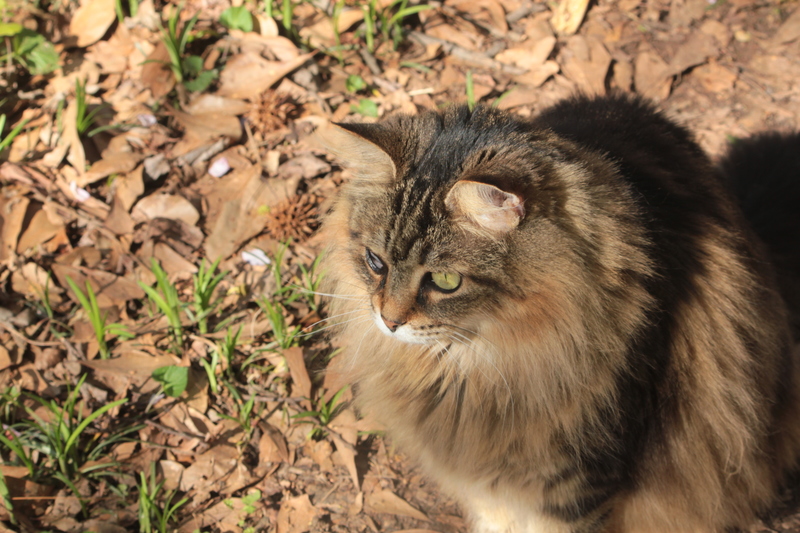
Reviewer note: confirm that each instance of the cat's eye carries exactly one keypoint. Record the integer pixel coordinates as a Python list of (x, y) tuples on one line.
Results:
[(374, 262), (446, 281)]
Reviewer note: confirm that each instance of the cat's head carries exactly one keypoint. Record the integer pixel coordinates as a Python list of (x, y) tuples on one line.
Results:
[(461, 225)]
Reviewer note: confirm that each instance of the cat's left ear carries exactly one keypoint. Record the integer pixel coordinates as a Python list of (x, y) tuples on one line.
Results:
[(485, 206), (357, 145)]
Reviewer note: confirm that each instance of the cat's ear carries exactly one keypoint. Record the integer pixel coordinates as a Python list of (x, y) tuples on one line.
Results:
[(357, 146), (485, 206)]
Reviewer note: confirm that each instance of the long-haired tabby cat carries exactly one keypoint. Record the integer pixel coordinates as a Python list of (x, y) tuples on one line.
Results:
[(568, 320)]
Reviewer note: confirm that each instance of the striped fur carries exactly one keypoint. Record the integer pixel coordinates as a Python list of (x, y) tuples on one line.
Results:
[(617, 360)]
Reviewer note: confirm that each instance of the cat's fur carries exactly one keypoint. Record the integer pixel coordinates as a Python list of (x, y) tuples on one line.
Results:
[(617, 358)]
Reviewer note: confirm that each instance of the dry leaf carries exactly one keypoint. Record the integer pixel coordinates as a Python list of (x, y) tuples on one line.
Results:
[(694, 51), (272, 446), (586, 61), (789, 30), (528, 55), (33, 282), (112, 163), (296, 515), (110, 290), (76, 154), (92, 20), (386, 501), (651, 77), (714, 78), (536, 77), (40, 230), (568, 16), (13, 207), (156, 72), (169, 206), (320, 451), (243, 217), (297, 367), (248, 75)]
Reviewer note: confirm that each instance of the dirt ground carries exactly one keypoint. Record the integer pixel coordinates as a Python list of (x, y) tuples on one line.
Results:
[(209, 158)]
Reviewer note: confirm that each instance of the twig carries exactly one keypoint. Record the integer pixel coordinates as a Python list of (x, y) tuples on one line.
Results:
[(468, 56), (371, 62), (8, 327), (175, 432)]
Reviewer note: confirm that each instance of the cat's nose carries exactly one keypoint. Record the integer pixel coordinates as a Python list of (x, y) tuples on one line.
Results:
[(391, 324)]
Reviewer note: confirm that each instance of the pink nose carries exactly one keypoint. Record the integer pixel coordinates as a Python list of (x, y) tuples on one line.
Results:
[(391, 324)]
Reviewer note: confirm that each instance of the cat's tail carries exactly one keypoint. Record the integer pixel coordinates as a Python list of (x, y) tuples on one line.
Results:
[(764, 173)]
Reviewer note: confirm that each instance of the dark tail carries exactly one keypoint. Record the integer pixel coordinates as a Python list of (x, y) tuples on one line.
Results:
[(764, 174)]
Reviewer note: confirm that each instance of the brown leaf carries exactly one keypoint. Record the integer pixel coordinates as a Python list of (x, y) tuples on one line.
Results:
[(714, 78), (586, 61), (529, 55), (296, 515), (113, 163), (76, 155), (243, 216), (33, 282), (210, 468), (248, 75), (385, 501), (110, 290), (568, 16), (272, 446), (40, 230), (320, 451), (170, 206), (156, 72), (789, 30), (172, 262), (297, 367), (694, 51), (651, 76), (118, 219), (13, 207), (92, 20)]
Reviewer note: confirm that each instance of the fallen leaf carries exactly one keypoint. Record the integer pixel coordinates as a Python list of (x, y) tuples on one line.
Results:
[(92, 20), (651, 76), (297, 367), (586, 61), (296, 515), (272, 446), (156, 72), (33, 282), (40, 230), (113, 163), (13, 207), (248, 75), (110, 290), (528, 55), (170, 206), (789, 30), (386, 501), (568, 16), (714, 77), (694, 51)]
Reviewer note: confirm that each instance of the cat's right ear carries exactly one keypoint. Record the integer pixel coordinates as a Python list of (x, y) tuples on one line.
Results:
[(484, 207), (353, 145)]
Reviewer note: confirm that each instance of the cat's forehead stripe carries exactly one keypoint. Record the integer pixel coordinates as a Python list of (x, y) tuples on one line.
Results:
[(412, 219)]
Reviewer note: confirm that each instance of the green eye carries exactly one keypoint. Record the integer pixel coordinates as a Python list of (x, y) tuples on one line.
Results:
[(446, 281)]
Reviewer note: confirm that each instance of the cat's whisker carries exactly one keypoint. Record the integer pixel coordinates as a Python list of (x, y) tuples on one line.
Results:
[(314, 332), (320, 321), (358, 348), (353, 297)]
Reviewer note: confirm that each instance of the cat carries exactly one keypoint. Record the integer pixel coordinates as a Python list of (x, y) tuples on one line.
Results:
[(567, 320)]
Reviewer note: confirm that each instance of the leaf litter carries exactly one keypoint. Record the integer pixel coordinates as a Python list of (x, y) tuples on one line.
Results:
[(121, 145)]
